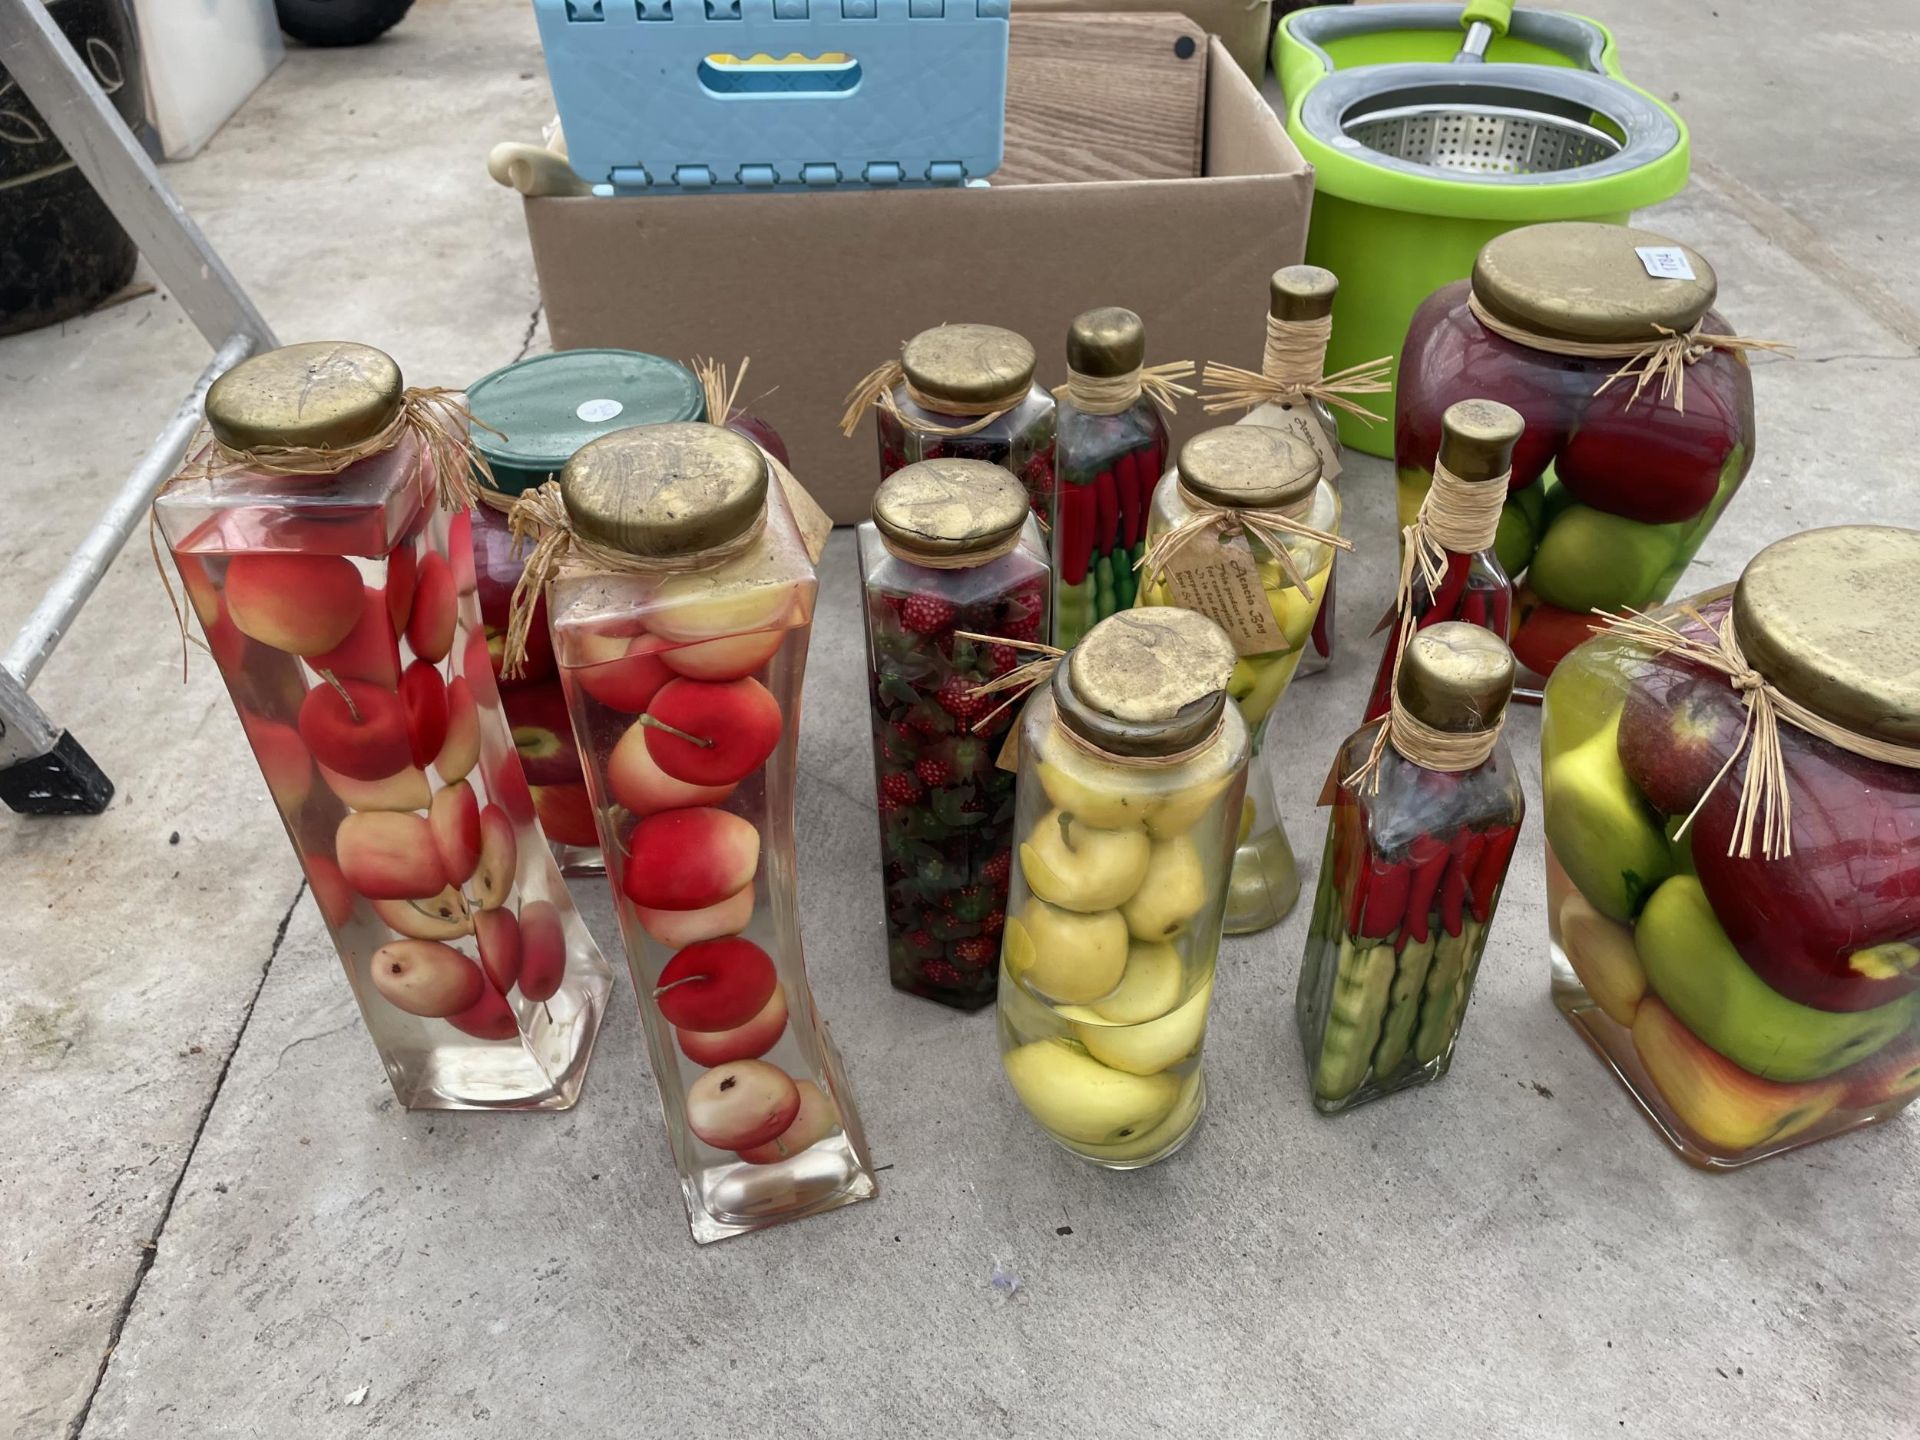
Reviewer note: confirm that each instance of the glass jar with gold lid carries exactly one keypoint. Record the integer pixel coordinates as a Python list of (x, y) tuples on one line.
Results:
[(1271, 479), (680, 619), (1756, 986), (316, 553), (1132, 769), (1619, 477), (951, 561), (1427, 808)]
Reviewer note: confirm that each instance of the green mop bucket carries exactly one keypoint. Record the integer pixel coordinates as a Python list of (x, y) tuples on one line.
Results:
[(1426, 145)]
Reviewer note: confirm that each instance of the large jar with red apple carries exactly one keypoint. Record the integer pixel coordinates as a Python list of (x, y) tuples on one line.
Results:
[(530, 419), (1426, 811), (1638, 408), (342, 612), (964, 392), (951, 562), (680, 627), (1132, 768), (1737, 931)]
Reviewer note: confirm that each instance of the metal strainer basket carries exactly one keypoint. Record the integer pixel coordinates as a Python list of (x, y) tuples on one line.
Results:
[(1482, 140)]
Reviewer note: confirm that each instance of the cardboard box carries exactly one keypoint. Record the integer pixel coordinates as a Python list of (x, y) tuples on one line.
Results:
[(1245, 27), (818, 288)]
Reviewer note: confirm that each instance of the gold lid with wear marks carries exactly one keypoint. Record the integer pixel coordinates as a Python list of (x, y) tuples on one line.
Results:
[(663, 490), (1107, 343), (1146, 682), (1456, 677), (323, 395), (969, 364), (1249, 467), (1477, 438), (1302, 292), (943, 508), (1575, 280)]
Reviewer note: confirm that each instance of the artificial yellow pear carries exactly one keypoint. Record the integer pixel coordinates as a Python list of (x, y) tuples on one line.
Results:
[(1083, 867), (1072, 787), (1181, 811), (1150, 987), (1149, 1144), (1077, 1098), (1145, 1049), (1066, 956), (1170, 894)]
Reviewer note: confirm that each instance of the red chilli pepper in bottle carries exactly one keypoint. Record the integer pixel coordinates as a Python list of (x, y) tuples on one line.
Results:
[(1387, 886), (1428, 857), (1127, 473), (1467, 848), (1491, 869), (1076, 532), (1106, 512)]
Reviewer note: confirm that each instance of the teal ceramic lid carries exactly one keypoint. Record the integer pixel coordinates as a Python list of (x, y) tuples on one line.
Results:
[(547, 407)]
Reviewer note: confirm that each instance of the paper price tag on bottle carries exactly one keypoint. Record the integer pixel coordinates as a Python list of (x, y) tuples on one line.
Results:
[(1665, 262), (1304, 425), (1222, 582)]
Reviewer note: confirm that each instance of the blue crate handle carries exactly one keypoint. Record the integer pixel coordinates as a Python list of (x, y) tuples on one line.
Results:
[(666, 96)]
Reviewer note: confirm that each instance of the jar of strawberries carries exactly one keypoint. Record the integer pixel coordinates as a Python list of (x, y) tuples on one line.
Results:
[(955, 578), (1638, 408), (1732, 789)]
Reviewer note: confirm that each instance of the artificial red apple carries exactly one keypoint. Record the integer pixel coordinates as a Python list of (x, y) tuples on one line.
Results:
[(716, 606), (477, 664), (1891, 1076), (638, 782), (744, 1042), (543, 950), (689, 859), (284, 760), (741, 1105), (621, 672), (567, 815), (498, 934), (423, 695), (455, 822), (730, 658), (403, 570), (677, 928), (1646, 460), (426, 978), (1544, 634), (406, 790), (460, 552), (1721, 1104), (745, 422), (370, 652), (435, 608), (331, 892), (488, 1018), (543, 734), (498, 564), (507, 784), (357, 729), (715, 985), (708, 732), (302, 604), (460, 751), (441, 917), (202, 594), (1677, 731), (499, 857), (389, 856), (816, 1119)]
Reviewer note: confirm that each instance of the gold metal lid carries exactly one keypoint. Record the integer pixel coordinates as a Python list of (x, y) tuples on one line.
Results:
[(1456, 677), (1477, 438), (660, 490), (1302, 292), (1107, 342), (1832, 618), (1250, 467), (324, 395), (1146, 682), (969, 364), (1574, 280), (945, 508)]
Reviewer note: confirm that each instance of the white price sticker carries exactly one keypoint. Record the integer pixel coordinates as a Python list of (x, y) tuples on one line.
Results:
[(1665, 262), (595, 411)]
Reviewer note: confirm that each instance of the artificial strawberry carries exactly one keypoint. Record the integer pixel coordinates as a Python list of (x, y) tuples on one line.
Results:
[(926, 614), (930, 719), (899, 790), (921, 945), (939, 972), (999, 868), (970, 902), (995, 922), (934, 772), (975, 953), (956, 697)]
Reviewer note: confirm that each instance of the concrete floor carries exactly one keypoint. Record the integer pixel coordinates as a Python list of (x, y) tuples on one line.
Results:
[(214, 1221)]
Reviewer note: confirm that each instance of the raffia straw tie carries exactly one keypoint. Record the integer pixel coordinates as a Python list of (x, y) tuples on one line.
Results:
[(878, 387), (723, 401), (1666, 358), (1766, 800), (495, 499), (541, 516), (1418, 743), (1292, 372), (1018, 680), (1111, 395), (968, 560), (1273, 527)]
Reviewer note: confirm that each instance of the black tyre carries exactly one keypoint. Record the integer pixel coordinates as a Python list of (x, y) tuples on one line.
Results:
[(339, 22)]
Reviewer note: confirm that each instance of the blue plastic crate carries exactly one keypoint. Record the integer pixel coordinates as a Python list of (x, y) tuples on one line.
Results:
[(669, 96)]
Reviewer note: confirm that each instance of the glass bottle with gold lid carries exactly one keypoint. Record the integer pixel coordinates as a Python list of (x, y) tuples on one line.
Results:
[(964, 392), (689, 596), (1638, 408), (311, 537), (1753, 981), (1132, 769), (1247, 513), (952, 554), (1427, 806)]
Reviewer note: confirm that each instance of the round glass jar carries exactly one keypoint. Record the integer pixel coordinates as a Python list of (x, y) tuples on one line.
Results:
[(1751, 1004), (1612, 495), (1132, 768)]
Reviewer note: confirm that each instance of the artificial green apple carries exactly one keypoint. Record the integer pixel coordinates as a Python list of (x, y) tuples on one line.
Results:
[(1150, 986), (1075, 1097), (1066, 956), (1693, 967), (1722, 1104), (1170, 893), (1514, 541), (1602, 955), (1083, 867), (1075, 788), (1590, 560), (1149, 1048), (1179, 812), (1599, 827)]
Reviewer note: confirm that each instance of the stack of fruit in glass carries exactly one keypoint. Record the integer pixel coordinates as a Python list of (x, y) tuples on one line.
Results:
[(1615, 484), (1132, 767), (1112, 449), (530, 419), (1448, 567), (963, 392), (681, 639), (1426, 812), (1751, 1002), (1284, 521), (342, 615), (952, 554)]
